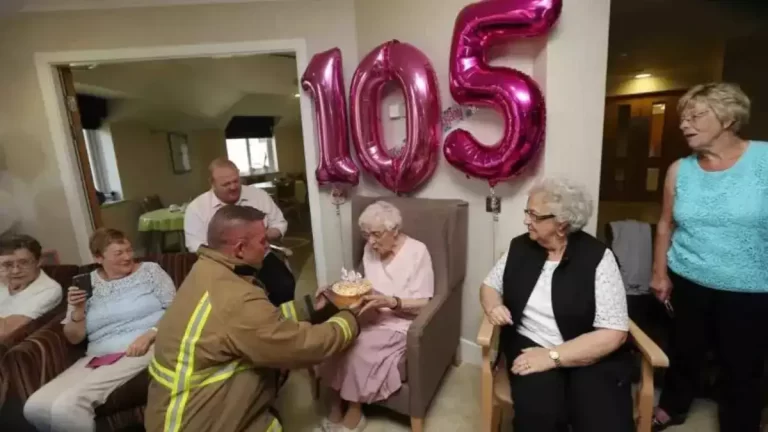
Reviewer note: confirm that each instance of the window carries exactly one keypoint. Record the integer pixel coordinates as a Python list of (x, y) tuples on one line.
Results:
[(101, 157), (253, 155)]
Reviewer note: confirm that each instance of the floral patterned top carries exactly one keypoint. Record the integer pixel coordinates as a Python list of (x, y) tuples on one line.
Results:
[(123, 309)]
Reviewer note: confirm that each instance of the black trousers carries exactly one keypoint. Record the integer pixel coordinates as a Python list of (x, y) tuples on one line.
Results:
[(278, 280), (595, 398), (735, 325)]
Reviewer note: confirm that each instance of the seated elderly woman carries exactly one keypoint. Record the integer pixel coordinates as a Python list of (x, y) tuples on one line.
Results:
[(117, 317), (560, 297), (26, 292), (400, 270)]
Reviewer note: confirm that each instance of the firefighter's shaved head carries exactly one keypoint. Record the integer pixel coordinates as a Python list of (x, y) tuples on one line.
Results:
[(239, 232)]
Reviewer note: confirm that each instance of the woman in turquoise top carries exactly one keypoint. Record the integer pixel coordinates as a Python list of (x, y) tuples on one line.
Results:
[(711, 259), (118, 320)]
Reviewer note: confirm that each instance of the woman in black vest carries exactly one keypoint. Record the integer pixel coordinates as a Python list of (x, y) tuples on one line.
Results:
[(560, 297)]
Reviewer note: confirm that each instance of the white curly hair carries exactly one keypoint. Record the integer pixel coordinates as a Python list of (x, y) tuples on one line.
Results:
[(380, 213), (568, 201)]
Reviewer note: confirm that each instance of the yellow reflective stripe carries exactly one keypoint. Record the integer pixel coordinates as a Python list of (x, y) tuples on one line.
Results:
[(275, 426), (185, 365), (160, 378), (160, 374), (220, 375), (199, 379), (288, 310), (344, 327), (162, 369)]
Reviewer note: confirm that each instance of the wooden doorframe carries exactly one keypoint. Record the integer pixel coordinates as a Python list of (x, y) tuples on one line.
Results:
[(77, 203), (69, 95)]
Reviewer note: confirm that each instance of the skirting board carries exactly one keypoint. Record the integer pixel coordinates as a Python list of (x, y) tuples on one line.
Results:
[(470, 352)]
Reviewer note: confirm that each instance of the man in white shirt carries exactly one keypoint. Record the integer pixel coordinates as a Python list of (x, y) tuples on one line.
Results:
[(226, 189), (26, 292)]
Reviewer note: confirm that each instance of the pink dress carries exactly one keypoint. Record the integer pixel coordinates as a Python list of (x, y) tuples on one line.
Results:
[(368, 372)]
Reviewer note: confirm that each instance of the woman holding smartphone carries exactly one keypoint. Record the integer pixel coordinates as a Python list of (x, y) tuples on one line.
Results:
[(117, 316)]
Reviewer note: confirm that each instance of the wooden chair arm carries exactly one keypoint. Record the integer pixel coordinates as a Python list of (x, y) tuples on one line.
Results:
[(648, 348), (487, 333), (486, 338)]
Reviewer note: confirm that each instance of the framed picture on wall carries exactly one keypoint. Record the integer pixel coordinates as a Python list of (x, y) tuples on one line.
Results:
[(179, 153)]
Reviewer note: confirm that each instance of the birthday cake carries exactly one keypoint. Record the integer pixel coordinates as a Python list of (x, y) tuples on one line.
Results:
[(350, 289)]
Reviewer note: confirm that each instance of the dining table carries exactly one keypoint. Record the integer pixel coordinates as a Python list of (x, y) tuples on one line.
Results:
[(158, 224)]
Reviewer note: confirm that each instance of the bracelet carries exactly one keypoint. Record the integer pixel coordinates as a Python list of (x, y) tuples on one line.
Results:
[(72, 318), (398, 303)]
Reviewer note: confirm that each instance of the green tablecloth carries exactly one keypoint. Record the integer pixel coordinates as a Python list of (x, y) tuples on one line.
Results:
[(161, 220)]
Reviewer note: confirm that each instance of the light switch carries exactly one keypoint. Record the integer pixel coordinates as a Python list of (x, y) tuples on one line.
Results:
[(396, 111)]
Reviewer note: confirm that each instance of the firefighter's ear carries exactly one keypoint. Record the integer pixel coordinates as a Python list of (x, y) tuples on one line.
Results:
[(238, 249)]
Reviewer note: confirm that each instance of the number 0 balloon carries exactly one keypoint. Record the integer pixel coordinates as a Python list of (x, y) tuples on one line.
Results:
[(514, 94), (411, 69)]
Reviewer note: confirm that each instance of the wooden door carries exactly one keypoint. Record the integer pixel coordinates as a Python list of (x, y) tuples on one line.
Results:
[(78, 140), (641, 139)]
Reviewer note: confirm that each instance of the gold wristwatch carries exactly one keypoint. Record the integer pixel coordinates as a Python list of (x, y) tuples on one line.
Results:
[(555, 356)]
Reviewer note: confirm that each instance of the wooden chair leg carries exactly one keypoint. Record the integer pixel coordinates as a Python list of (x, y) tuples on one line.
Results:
[(417, 424), (645, 398)]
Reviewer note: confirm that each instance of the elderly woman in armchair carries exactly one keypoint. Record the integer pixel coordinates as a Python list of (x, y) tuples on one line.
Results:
[(117, 318), (560, 298), (400, 270)]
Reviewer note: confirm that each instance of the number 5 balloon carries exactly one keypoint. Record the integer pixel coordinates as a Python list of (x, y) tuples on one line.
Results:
[(411, 69), (324, 81), (513, 93)]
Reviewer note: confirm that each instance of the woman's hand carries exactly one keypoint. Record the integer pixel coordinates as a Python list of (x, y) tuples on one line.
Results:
[(533, 360), (376, 301), (500, 316), (77, 298), (141, 345), (661, 286)]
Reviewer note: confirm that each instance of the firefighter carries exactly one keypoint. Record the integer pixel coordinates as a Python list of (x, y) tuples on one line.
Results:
[(221, 344)]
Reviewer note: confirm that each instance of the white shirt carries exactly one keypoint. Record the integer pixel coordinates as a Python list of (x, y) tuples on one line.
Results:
[(538, 322), (41, 296), (200, 212)]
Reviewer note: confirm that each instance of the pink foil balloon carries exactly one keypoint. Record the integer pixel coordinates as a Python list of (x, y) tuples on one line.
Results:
[(417, 160), (324, 81), (514, 94)]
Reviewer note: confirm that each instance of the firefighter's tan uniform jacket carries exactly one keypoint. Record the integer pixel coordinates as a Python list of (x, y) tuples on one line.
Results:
[(219, 346)]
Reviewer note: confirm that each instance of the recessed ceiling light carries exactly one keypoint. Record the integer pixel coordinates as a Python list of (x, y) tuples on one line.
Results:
[(643, 75), (297, 95)]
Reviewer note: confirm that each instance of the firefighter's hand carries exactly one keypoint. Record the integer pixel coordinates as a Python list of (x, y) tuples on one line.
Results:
[(141, 345)]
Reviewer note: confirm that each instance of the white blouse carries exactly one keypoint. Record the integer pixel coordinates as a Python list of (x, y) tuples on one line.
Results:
[(538, 321)]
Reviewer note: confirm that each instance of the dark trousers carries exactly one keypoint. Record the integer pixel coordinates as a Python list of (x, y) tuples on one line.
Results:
[(735, 325), (277, 279), (595, 398)]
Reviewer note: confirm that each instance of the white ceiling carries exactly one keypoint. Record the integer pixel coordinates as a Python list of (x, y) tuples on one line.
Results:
[(195, 93)]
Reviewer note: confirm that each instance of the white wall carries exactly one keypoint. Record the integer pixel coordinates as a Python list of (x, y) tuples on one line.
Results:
[(570, 65), (31, 173)]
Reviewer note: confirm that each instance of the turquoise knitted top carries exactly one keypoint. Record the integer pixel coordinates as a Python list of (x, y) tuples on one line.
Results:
[(721, 218)]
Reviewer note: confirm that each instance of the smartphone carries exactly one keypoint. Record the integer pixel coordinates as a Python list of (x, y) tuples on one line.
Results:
[(83, 282)]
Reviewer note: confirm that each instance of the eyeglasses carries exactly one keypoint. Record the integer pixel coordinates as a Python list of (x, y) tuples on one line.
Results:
[(21, 264), (693, 118), (373, 234), (537, 217)]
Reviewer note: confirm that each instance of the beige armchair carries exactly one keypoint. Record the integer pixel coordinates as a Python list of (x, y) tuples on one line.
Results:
[(496, 394), (433, 337)]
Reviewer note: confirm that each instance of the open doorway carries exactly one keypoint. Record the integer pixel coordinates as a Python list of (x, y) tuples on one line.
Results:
[(658, 50), (144, 132)]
